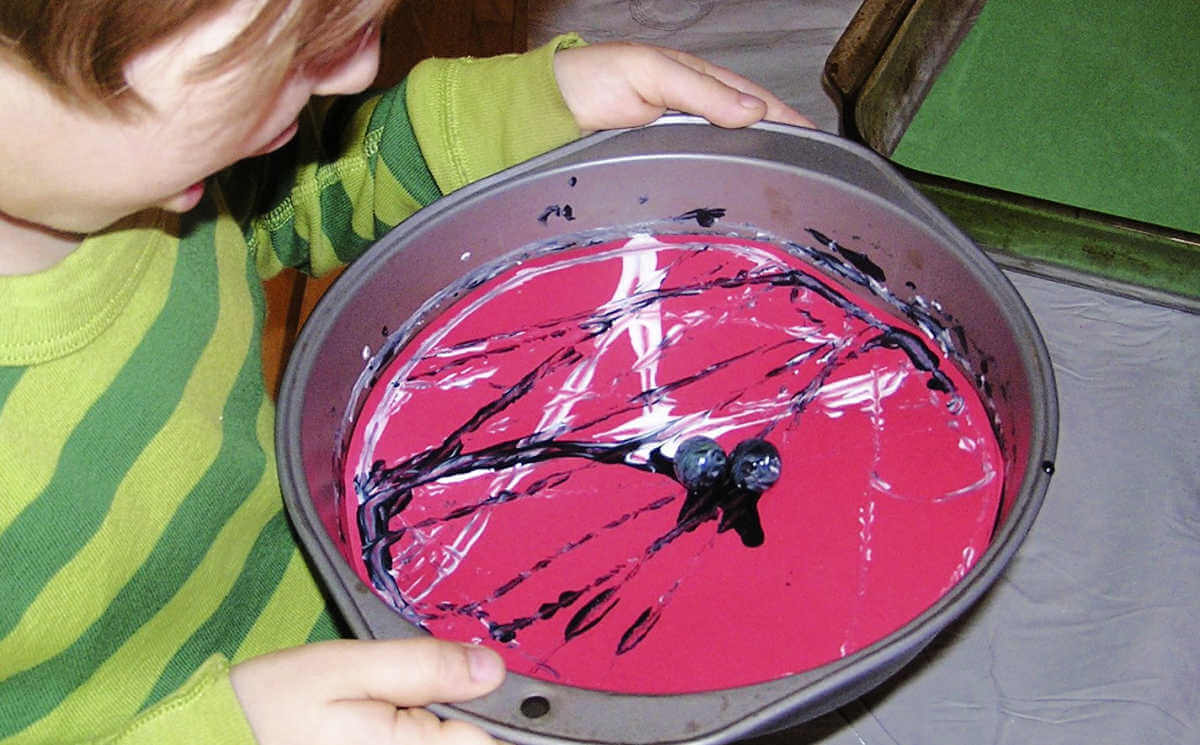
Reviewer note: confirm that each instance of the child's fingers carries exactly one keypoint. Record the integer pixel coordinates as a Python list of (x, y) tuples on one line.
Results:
[(420, 726), (720, 93), (620, 84), (412, 672), (360, 722), (368, 692)]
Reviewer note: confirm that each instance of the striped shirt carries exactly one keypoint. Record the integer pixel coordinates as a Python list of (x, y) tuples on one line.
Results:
[(143, 545)]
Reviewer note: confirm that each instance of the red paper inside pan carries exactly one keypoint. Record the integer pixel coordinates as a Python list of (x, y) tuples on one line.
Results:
[(509, 479)]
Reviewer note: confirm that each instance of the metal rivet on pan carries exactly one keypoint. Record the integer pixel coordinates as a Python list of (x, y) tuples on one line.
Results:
[(535, 707)]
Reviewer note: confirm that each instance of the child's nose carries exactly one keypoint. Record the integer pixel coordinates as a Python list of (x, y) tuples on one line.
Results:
[(350, 74)]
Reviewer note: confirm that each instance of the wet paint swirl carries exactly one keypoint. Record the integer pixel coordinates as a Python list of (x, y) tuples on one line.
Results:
[(510, 475)]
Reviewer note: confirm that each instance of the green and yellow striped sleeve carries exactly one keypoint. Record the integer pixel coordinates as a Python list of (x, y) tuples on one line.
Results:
[(453, 121)]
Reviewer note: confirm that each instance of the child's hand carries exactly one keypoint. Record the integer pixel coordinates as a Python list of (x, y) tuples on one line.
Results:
[(364, 692), (618, 84)]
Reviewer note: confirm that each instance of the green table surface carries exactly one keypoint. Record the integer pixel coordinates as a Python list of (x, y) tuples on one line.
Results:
[(1092, 104)]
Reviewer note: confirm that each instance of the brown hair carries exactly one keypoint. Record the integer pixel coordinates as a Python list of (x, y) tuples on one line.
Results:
[(81, 47)]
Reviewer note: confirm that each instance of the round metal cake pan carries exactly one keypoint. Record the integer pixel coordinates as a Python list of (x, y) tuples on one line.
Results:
[(777, 179)]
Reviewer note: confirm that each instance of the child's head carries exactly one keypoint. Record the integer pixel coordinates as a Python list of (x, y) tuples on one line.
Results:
[(81, 47), (113, 106)]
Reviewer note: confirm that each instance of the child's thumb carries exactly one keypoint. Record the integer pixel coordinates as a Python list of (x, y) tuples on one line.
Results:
[(364, 691), (413, 672)]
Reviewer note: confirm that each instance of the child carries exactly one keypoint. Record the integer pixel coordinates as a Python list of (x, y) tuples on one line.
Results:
[(158, 160)]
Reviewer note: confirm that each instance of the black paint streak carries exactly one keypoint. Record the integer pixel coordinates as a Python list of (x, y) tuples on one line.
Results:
[(920, 355), (634, 635), (705, 217), (860, 261), (864, 264), (591, 614), (565, 211)]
